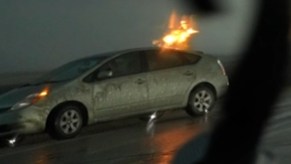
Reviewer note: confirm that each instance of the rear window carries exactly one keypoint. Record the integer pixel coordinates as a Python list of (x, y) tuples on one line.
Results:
[(192, 58), (169, 59)]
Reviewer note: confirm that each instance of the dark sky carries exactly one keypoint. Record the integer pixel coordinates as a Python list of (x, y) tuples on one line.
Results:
[(38, 35)]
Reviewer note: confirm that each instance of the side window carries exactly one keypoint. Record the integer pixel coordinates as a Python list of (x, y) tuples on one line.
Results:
[(166, 59), (192, 58), (126, 64)]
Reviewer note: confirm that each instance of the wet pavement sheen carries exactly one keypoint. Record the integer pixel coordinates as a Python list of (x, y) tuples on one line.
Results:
[(121, 141)]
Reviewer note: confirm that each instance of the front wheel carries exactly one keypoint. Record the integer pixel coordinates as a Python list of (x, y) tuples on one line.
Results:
[(66, 122), (201, 101)]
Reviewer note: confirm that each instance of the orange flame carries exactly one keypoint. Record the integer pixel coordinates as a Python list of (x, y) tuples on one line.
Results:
[(43, 93), (179, 34)]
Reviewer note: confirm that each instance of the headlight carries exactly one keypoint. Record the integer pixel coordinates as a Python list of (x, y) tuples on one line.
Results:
[(31, 99)]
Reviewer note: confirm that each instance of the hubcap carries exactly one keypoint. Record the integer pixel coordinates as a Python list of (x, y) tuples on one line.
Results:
[(202, 101), (70, 122)]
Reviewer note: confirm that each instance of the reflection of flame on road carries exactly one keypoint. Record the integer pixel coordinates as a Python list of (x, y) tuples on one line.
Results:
[(179, 33), (167, 141)]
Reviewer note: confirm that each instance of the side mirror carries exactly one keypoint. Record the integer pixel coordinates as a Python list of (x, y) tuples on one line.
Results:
[(104, 74)]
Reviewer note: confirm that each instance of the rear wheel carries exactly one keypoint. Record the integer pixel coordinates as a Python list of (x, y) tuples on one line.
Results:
[(66, 122), (201, 101)]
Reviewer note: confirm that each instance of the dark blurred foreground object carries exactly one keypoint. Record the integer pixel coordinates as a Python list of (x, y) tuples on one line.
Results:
[(259, 78), (202, 7)]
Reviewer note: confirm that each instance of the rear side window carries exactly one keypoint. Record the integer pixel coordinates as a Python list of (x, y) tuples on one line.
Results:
[(192, 58), (169, 59)]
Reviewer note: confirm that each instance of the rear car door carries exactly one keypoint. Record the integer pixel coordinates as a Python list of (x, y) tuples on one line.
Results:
[(124, 90), (171, 75)]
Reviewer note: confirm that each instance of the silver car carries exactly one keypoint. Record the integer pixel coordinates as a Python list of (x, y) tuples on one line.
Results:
[(110, 86)]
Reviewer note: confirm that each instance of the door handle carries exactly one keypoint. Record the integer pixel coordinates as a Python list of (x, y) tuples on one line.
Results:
[(188, 73), (140, 81)]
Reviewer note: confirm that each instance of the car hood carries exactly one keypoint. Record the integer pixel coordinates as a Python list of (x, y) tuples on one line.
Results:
[(13, 96)]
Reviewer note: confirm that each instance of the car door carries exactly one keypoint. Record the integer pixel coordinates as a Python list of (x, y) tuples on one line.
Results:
[(121, 88), (171, 74)]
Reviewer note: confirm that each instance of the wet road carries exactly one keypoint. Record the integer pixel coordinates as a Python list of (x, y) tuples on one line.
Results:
[(122, 141)]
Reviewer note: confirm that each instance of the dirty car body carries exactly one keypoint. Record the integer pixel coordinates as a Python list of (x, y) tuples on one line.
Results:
[(110, 86)]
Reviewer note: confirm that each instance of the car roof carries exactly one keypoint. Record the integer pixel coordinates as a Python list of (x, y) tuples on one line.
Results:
[(112, 53)]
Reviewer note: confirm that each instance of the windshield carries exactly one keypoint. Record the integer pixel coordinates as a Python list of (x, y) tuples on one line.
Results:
[(71, 70)]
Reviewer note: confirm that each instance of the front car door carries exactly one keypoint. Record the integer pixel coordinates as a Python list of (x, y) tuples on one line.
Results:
[(121, 87)]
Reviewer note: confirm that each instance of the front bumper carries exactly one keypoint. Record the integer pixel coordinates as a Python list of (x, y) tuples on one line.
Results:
[(22, 121), (9, 130)]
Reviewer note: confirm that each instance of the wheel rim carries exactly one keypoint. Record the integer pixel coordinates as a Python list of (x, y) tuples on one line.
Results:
[(203, 101), (70, 121)]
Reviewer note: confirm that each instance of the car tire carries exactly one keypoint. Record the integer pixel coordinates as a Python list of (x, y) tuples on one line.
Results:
[(201, 101), (66, 122), (147, 117)]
